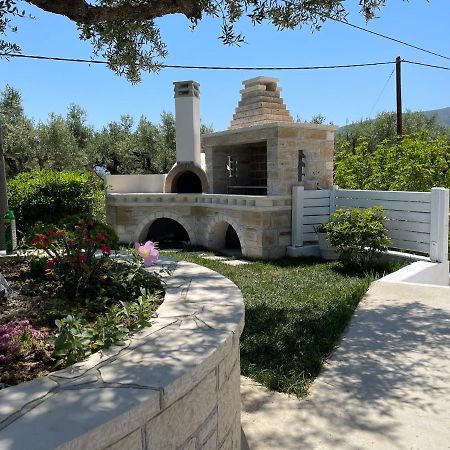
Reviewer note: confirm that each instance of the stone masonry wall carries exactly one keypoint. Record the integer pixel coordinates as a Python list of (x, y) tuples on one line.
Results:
[(175, 385), (283, 141), (264, 232)]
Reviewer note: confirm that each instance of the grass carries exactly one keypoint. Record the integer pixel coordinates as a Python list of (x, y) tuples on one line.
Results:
[(296, 310)]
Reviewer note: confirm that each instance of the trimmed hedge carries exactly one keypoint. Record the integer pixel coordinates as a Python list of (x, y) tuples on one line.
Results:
[(50, 196)]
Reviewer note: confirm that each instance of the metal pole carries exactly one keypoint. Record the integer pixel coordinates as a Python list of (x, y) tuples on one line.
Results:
[(3, 193), (398, 73)]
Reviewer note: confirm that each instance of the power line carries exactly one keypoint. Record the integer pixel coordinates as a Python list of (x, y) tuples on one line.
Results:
[(425, 65), (177, 66), (390, 38), (381, 93)]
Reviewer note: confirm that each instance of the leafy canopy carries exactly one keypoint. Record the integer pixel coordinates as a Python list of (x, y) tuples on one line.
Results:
[(125, 32)]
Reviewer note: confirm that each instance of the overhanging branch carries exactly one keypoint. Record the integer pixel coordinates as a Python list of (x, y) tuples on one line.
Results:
[(83, 12)]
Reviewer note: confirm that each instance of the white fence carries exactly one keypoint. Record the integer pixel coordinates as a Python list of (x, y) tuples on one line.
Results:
[(417, 221)]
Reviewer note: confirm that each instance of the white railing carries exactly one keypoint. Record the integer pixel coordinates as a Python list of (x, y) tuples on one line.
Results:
[(417, 221)]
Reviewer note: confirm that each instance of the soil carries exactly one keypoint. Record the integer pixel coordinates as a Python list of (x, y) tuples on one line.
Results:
[(37, 297)]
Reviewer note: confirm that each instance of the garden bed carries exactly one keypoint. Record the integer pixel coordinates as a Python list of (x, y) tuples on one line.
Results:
[(70, 299)]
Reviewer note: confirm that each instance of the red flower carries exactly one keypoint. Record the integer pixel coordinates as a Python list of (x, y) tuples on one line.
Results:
[(50, 263), (100, 237), (51, 233), (105, 249), (82, 259), (38, 239), (90, 223)]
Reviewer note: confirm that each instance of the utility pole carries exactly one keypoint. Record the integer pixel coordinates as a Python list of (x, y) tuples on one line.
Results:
[(398, 84), (3, 193)]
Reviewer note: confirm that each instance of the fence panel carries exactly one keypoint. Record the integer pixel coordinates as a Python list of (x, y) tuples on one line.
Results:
[(409, 214), (316, 210), (417, 221)]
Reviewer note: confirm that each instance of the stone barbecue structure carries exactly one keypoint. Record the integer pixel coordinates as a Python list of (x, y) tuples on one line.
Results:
[(237, 194)]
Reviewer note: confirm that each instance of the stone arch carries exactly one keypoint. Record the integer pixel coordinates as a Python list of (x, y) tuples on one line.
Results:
[(216, 231), (181, 168), (140, 232)]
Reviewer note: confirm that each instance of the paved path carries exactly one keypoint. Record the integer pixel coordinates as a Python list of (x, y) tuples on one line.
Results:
[(386, 387)]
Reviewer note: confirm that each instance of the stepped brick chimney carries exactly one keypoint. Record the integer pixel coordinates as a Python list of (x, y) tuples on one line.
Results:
[(260, 103)]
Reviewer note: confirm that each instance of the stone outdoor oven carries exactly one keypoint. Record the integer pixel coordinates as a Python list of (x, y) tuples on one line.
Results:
[(237, 194), (187, 175)]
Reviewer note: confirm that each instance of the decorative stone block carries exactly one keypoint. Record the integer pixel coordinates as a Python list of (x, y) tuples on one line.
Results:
[(185, 416), (131, 442)]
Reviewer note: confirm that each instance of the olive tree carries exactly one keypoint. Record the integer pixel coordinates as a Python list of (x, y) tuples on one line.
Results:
[(126, 33)]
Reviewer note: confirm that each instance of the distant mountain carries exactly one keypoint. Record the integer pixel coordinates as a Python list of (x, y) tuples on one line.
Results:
[(443, 115)]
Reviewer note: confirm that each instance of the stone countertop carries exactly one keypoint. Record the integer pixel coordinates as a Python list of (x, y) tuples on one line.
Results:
[(119, 388)]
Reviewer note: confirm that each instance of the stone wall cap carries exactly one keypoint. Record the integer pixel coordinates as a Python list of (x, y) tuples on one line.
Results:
[(260, 80), (108, 396), (270, 125)]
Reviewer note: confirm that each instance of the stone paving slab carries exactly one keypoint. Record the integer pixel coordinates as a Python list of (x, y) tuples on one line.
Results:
[(387, 386), (214, 257), (237, 262)]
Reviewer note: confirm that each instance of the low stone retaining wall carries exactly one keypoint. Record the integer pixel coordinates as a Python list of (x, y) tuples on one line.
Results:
[(175, 385)]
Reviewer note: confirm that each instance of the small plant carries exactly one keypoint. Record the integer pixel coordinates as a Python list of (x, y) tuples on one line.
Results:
[(358, 236), (77, 339), (18, 339)]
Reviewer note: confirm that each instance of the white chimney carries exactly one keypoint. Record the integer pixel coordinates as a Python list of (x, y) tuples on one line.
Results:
[(187, 118)]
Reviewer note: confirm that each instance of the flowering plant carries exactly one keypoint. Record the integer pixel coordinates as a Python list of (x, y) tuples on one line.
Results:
[(18, 338), (148, 252), (75, 258)]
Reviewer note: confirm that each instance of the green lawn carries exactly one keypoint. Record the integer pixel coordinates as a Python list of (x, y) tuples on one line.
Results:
[(296, 309)]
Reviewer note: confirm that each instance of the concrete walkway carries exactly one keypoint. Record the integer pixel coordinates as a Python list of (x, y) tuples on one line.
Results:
[(387, 386)]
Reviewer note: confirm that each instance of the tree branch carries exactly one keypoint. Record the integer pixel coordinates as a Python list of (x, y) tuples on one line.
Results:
[(82, 12)]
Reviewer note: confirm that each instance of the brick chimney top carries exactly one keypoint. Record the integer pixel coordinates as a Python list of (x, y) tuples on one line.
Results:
[(260, 103), (186, 89)]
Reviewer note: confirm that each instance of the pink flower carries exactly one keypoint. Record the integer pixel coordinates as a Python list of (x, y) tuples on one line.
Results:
[(147, 252)]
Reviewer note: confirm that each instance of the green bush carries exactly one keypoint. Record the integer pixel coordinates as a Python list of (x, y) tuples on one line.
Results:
[(50, 196), (358, 236)]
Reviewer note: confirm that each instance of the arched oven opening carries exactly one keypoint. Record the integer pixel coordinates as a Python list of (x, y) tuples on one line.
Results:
[(186, 178), (187, 183)]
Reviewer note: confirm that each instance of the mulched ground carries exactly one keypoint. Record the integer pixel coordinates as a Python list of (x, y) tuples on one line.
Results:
[(37, 297), (25, 301)]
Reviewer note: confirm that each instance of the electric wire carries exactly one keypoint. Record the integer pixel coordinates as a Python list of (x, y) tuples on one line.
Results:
[(382, 92), (390, 38), (417, 63), (179, 66)]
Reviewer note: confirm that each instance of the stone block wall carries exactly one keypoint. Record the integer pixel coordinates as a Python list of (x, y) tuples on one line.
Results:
[(264, 228), (174, 385), (283, 141)]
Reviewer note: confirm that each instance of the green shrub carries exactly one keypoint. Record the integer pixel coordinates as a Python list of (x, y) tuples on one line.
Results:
[(358, 236), (49, 196)]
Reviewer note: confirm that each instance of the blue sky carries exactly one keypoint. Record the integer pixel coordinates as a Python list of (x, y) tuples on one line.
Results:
[(340, 95)]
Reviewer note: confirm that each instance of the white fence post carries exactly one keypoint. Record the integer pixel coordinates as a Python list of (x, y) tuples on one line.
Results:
[(333, 199), (439, 225), (297, 216)]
